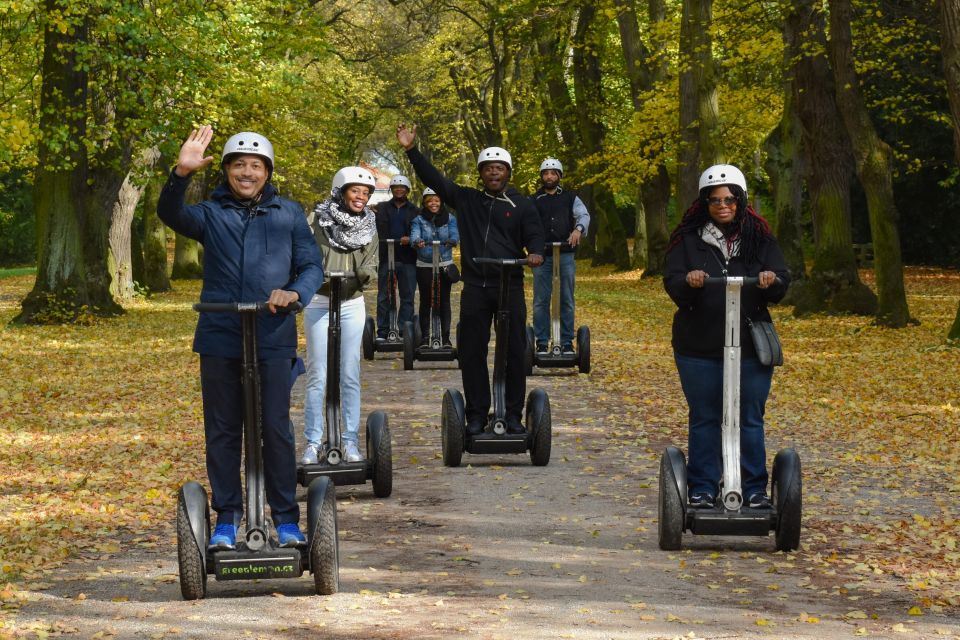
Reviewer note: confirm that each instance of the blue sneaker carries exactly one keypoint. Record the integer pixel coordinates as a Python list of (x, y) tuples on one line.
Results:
[(289, 535), (224, 537)]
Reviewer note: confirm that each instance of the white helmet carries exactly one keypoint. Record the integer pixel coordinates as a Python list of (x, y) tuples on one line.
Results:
[(429, 192), (352, 175), (495, 154), (400, 181), (720, 174), (250, 143), (552, 163)]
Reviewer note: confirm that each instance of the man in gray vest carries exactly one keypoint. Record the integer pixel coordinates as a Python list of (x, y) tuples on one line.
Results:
[(565, 219)]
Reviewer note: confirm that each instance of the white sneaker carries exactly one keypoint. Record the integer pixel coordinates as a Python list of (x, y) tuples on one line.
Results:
[(311, 453), (352, 452)]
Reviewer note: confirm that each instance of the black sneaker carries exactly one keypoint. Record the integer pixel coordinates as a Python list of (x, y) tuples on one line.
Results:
[(475, 427), (702, 500), (542, 347), (447, 343), (566, 349), (759, 501), (515, 427)]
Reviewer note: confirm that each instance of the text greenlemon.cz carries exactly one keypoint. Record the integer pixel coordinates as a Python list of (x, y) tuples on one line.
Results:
[(257, 569)]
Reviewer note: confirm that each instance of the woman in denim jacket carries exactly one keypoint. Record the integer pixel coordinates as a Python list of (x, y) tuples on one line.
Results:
[(435, 222)]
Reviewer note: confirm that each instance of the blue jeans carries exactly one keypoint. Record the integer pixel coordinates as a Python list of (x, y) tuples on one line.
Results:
[(315, 324), (406, 287), (542, 290), (702, 381)]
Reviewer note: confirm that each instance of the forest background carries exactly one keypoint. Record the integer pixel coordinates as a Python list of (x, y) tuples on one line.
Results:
[(839, 112)]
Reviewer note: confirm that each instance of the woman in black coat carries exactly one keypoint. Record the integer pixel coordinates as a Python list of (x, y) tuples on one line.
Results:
[(721, 235)]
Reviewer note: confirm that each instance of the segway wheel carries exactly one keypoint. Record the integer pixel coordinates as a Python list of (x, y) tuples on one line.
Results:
[(539, 427), (409, 345), (583, 348), (787, 490), (324, 552), (193, 572), (369, 335), (528, 354), (380, 454), (452, 427), (417, 333), (670, 504)]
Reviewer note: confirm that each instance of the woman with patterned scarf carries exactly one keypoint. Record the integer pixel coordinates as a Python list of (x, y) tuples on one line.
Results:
[(721, 235), (346, 232)]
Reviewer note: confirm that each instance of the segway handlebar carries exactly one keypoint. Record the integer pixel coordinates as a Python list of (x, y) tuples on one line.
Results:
[(744, 280), (241, 307), (562, 245), (502, 261)]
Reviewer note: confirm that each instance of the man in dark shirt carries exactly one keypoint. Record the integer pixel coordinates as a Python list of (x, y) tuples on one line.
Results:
[(394, 218), (565, 219), (496, 222)]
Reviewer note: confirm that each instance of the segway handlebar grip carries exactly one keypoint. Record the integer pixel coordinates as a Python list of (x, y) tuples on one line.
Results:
[(502, 261), (745, 280), (562, 245), (240, 307), (336, 274)]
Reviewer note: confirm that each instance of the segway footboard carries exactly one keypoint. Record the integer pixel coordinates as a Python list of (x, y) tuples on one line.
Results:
[(720, 522), (342, 474), (244, 564), (488, 443)]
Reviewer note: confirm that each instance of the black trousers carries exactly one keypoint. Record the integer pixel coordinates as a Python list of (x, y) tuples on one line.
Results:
[(425, 283), (478, 306), (222, 387)]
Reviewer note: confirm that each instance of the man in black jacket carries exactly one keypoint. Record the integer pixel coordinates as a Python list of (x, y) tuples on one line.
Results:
[(496, 222), (394, 218)]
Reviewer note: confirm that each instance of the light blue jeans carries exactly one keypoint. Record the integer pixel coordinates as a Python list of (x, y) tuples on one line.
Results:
[(316, 322), (542, 290)]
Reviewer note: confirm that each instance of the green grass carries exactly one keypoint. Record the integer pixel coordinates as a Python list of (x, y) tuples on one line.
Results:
[(18, 271)]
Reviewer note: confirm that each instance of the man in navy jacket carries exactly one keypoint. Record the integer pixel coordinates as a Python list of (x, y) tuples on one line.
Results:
[(256, 246)]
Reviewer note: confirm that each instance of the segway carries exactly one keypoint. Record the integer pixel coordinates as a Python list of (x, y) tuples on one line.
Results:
[(495, 438), (434, 350), (378, 465), (554, 357), (393, 342), (257, 556), (730, 516)]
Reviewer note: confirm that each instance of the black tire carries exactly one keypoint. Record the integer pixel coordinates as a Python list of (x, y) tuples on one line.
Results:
[(369, 338), (583, 348), (787, 496), (540, 427), (380, 454), (193, 572), (452, 427), (528, 354), (670, 511), (324, 549), (417, 332), (409, 345)]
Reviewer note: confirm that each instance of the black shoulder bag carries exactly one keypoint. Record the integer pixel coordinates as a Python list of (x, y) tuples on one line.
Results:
[(766, 342)]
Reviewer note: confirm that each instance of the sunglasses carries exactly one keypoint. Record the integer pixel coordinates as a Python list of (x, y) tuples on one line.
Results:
[(716, 202)]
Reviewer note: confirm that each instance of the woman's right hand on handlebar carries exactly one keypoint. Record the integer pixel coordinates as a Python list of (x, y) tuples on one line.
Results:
[(695, 278)]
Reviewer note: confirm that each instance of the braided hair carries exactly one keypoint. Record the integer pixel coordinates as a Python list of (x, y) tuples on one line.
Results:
[(747, 223)]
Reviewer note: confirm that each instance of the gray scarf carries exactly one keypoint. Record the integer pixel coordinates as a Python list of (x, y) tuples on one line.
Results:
[(712, 235), (346, 231)]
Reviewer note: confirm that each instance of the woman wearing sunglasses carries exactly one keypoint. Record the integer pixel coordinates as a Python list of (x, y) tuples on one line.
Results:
[(721, 235)]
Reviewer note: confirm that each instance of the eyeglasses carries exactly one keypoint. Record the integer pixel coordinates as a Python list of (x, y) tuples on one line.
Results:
[(716, 202)]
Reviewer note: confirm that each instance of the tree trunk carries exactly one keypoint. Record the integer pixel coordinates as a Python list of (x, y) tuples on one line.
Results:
[(610, 241), (121, 259), (785, 161), (834, 285), (873, 159), (186, 253), (72, 282), (155, 276), (551, 34), (699, 114), (950, 46)]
